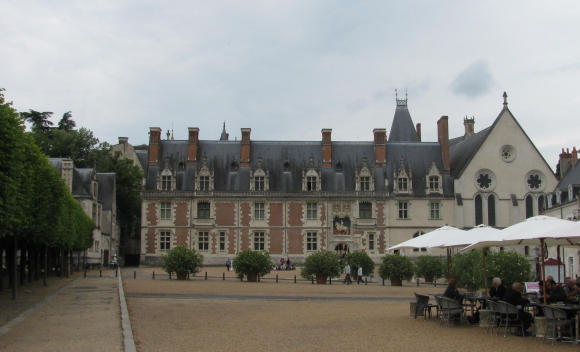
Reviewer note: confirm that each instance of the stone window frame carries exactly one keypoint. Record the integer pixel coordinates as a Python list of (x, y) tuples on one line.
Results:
[(542, 179), (254, 174), (165, 240), (438, 210), (308, 241), (403, 176), (165, 211), (310, 211), (309, 177), (433, 173), (204, 171), (259, 214), (266, 240), (492, 179), (225, 241), (166, 181), (406, 210), (360, 209), (374, 241), (364, 172), (207, 240), (197, 210)]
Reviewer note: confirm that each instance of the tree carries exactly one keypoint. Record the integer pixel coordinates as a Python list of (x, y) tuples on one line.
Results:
[(396, 268), (321, 265), (252, 264), (467, 269), (509, 267), (429, 267), (66, 122), (361, 258), (181, 261), (39, 120)]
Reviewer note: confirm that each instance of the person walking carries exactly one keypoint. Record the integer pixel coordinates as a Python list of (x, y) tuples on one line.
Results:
[(359, 275), (347, 279), (228, 264)]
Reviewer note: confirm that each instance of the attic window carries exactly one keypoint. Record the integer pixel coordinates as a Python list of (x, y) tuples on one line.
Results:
[(234, 166), (286, 166), (402, 184), (339, 166), (181, 165)]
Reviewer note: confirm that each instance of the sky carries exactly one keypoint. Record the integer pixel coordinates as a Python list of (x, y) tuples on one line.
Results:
[(287, 69)]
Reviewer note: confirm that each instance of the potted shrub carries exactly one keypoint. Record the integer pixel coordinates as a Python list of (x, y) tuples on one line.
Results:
[(396, 268), (321, 265), (429, 267), (360, 258), (252, 264), (181, 261)]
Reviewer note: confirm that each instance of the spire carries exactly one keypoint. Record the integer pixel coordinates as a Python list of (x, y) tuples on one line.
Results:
[(225, 136), (504, 100), (403, 128)]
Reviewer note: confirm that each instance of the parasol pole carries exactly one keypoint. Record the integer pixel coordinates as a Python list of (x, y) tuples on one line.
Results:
[(484, 254), (558, 258), (543, 272), (448, 264)]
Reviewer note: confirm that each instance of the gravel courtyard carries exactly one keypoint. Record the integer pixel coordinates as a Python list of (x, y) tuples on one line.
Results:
[(216, 315)]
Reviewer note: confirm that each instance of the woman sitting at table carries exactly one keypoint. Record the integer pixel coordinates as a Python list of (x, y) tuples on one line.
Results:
[(452, 292), (514, 297), (497, 291)]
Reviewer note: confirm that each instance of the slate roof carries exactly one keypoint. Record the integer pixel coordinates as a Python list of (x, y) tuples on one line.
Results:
[(462, 149), (571, 178), (402, 128), (106, 189)]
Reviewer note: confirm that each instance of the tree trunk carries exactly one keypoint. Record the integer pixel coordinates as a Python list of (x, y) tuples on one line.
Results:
[(252, 277), (395, 281), (321, 280), (1, 265), (22, 265), (45, 262), (14, 268)]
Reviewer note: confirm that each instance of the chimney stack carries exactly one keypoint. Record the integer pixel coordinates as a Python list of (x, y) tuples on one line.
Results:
[(469, 124), (327, 147), (123, 140), (67, 173), (192, 145), (574, 156), (154, 141), (419, 131), (567, 161), (245, 150), (380, 144), (443, 138)]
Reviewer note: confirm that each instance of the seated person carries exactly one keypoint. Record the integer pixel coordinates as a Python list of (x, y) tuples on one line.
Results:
[(571, 290), (452, 292), (554, 293), (497, 290), (514, 296)]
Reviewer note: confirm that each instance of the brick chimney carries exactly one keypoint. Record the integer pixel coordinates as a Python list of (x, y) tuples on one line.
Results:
[(419, 131), (154, 140), (245, 151), (567, 161), (469, 124), (443, 138), (574, 156), (192, 145), (67, 173), (380, 144), (327, 147)]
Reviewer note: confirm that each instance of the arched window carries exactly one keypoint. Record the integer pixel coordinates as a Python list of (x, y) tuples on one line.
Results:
[(478, 210), (529, 207), (541, 204), (491, 210)]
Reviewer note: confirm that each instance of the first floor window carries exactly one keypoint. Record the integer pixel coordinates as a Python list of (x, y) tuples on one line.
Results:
[(311, 211), (403, 210), (165, 240), (311, 241), (259, 241), (203, 210), (203, 241), (371, 241), (365, 210), (222, 241), (165, 211), (435, 211), (259, 211)]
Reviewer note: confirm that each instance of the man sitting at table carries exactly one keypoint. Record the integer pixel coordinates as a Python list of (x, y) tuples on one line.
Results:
[(554, 293), (571, 290), (497, 290), (514, 296)]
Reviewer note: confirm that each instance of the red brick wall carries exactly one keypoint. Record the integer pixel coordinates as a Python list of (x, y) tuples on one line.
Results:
[(225, 214), (276, 241), (380, 214), (295, 241), (246, 210), (276, 214), (181, 210), (231, 246), (381, 242), (181, 235), (295, 214), (213, 238), (150, 241), (323, 240), (323, 214), (152, 213), (245, 242)]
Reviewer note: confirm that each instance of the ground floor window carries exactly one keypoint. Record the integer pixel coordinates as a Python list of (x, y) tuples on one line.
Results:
[(222, 241), (203, 241), (259, 241), (165, 240), (311, 241), (371, 242)]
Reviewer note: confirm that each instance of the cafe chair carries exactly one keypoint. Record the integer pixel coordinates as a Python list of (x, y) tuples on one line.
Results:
[(422, 306), (510, 317), (494, 318), (449, 309), (557, 320)]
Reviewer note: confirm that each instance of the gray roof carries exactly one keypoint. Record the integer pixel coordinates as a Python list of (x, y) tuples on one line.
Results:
[(462, 149), (402, 129), (106, 189), (82, 179), (142, 155), (571, 178)]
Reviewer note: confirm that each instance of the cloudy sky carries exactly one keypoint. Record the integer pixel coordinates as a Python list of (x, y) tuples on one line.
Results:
[(287, 69)]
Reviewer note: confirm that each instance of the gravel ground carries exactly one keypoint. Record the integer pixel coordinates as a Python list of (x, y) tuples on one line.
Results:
[(202, 315)]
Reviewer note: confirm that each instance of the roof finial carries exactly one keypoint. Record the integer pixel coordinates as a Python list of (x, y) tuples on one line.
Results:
[(168, 134), (401, 102), (396, 94), (504, 99), (224, 136)]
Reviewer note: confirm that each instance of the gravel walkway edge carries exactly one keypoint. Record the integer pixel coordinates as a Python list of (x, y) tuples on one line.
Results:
[(128, 341)]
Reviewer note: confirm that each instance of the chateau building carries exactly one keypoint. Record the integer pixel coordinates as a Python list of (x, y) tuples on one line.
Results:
[(294, 198), (96, 194)]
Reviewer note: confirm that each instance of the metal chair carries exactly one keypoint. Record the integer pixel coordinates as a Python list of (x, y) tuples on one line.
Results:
[(494, 318), (510, 317), (557, 319), (449, 309), (422, 306)]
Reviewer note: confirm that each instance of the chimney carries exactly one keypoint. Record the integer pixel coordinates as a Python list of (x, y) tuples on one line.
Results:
[(574, 156), (67, 173), (192, 145), (443, 138), (123, 140), (419, 131), (154, 140), (327, 147), (380, 144), (469, 124), (245, 152)]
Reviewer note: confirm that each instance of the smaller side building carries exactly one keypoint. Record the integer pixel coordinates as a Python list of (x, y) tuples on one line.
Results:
[(96, 193)]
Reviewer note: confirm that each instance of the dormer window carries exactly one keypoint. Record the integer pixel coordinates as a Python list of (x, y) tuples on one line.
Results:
[(364, 178), (402, 184), (403, 179), (166, 181), (311, 181), (365, 183), (258, 180), (433, 183), (204, 183), (433, 180), (204, 180), (259, 183)]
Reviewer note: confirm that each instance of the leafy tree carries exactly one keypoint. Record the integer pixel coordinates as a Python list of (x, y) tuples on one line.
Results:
[(509, 267), (66, 122), (251, 264), (396, 268), (361, 258), (321, 265), (181, 261), (39, 120), (467, 269), (429, 267)]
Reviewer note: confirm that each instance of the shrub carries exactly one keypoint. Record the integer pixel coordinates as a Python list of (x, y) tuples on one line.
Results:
[(396, 268), (360, 258), (509, 267), (467, 269), (252, 264), (429, 267), (181, 261), (322, 265)]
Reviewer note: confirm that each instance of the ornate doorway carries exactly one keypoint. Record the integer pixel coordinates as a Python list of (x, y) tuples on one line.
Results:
[(342, 249)]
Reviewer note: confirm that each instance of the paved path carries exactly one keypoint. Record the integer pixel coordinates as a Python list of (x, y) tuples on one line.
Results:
[(82, 316), (262, 297)]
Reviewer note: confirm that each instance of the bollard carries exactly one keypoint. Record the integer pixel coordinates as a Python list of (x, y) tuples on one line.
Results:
[(276, 278), (206, 275), (435, 283), (365, 281), (224, 276), (312, 277), (294, 278), (241, 277), (153, 275), (188, 275), (85, 274), (100, 273), (170, 275), (134, 275), (330, 279), (383, 282)]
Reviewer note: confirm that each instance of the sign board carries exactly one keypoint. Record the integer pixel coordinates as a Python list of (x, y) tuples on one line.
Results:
[(532, 287)]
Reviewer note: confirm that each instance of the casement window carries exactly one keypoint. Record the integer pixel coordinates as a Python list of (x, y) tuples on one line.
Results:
[(165, 240), (259, 241), (311, 241), (203, 241), (204, 183), (166, 183), (403, 210), (402, 184), (259, 211), (365, 210), (203, 210), (365, 183), (311, 183), (435, 213), (259, 183), (371, 238), (433, 183), (165, 210), (222, 241), (311, 211)]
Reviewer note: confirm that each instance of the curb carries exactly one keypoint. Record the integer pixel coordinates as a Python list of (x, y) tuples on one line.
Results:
[(128, 341)]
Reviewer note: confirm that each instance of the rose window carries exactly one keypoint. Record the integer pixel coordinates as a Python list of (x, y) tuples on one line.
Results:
[(534, 181), (508, 153), (484, 181)]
